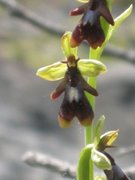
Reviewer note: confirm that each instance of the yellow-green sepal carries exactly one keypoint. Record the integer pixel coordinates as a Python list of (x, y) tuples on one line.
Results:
[(52, 72), (91, 67), (66, 47)]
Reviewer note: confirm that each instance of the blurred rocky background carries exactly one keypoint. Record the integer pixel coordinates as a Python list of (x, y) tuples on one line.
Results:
[(28, 118)]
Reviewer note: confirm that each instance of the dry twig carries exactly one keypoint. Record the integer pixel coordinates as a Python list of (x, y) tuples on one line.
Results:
[(117, 52), (19, 11), (44, 161)]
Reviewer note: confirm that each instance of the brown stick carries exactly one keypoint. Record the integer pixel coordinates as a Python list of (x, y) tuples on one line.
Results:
[(36, 159), (124, 54), (52, 164), (22, 12)]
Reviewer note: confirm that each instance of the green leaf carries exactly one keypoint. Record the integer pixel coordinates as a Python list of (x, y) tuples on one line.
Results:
[(100, 160), (98, 129), (65, 45), (83, 163), (91, 67), (52, 72)]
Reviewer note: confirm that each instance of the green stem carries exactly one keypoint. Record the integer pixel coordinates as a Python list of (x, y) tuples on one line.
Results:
[(85, 169), (88, 132), (94, 54)]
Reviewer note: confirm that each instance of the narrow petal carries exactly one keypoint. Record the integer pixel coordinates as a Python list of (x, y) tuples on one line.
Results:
[(105, 12), (88, 88), (59, 90), (78, 11)]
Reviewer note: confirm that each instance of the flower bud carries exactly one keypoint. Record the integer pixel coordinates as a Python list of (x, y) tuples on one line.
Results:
[(100, 160), (107, 139)]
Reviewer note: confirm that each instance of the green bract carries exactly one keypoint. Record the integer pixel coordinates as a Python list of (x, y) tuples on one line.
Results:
[(100, 160), (98, 129), (118, 22), (101, 142), (83, 163)]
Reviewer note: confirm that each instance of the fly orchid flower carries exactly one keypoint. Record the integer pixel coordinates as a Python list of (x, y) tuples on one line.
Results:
[(71, 70), (89, 27), (75, 103)]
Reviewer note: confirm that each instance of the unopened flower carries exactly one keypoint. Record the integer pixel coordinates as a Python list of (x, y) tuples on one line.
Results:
[(116, 173), (107, 139), (101, 158), (89, 27)]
